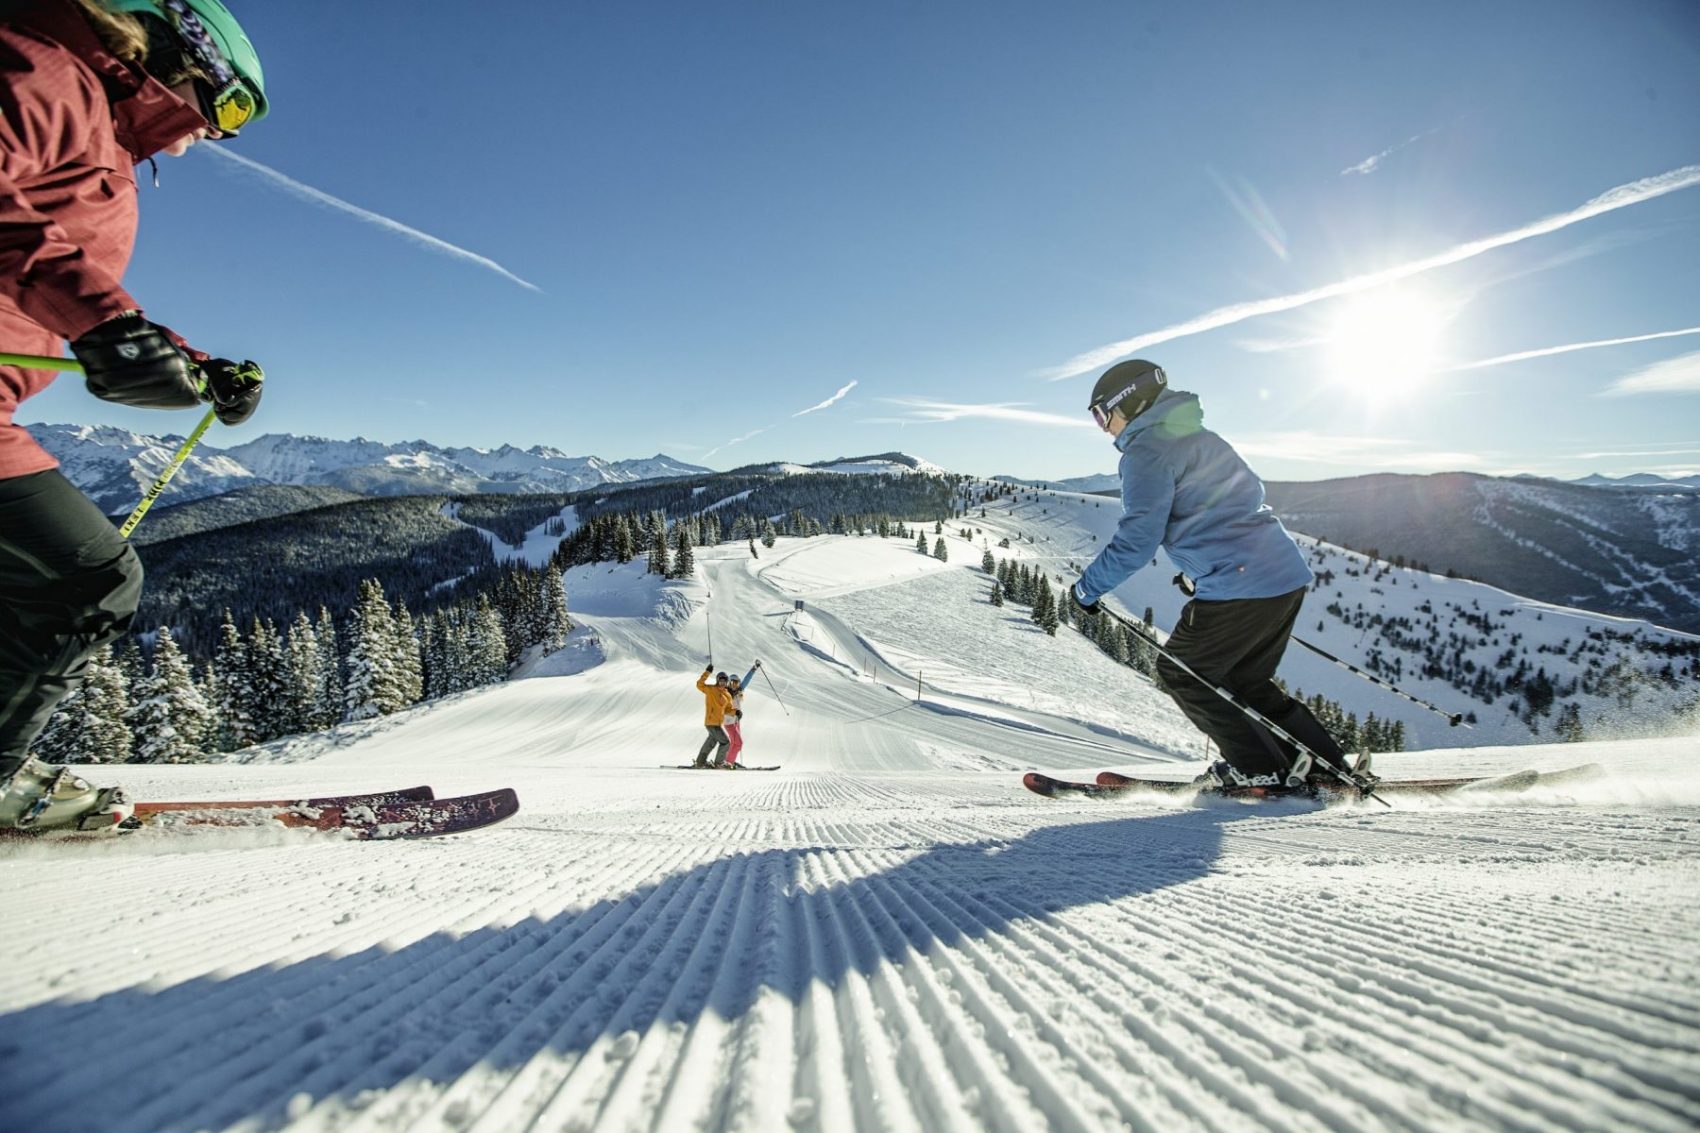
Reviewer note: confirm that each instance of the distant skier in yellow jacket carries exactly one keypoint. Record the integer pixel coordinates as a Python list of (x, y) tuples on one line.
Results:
[(717, 705)]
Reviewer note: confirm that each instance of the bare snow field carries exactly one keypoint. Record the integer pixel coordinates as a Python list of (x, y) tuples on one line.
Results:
[(888, 933)]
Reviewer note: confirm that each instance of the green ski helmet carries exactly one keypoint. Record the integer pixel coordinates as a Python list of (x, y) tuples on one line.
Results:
[(234, 93)]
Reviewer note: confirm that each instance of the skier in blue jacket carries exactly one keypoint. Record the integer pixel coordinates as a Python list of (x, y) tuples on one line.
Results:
[(1185, 489)]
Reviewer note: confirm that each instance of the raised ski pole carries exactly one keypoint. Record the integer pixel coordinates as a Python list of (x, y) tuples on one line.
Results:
[(71, 365), (775, 692), (164, 478), (1233, 698), (1453, 718)]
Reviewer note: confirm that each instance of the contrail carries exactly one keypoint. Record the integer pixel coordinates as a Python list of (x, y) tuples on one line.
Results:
[(927, 411), (1370, 164), (758, 432), (1634, 193), (1503, 358), (829, 401), (736, 441), (319, 197)]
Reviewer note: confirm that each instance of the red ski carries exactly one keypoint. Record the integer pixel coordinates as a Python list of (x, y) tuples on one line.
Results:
[(365, 817), (374, 798)]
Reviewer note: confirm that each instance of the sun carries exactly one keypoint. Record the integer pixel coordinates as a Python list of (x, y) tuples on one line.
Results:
[(1384, 344)]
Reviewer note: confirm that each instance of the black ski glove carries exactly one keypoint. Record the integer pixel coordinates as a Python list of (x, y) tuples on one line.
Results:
[(1085, 608), (234, 388), (134, 362)]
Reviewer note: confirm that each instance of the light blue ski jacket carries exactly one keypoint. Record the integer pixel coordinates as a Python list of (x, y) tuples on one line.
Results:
[(1185, 488)]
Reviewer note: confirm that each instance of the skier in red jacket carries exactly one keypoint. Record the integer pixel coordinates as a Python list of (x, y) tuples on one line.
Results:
[(88, 89)]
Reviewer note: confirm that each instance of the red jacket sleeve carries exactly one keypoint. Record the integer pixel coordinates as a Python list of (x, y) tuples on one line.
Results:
[(50, 106)]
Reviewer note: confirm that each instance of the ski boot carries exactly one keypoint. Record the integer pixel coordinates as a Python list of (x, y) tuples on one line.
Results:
[(1357, 774), (1222, 777), (42, 797)]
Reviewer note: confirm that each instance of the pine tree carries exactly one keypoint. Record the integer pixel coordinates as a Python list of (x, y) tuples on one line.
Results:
[(169, 718), (487, 645), (269, 681), (997, 593), (684, 562), (940, 551), (89, 725), (625, 548), (1045, 606), (374, 687), (302, 669), (410, 668), (555, 624), (658, 561), (328, 699), (230, 690)]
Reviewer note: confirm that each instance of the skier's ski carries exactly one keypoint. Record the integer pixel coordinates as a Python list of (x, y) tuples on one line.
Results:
[(709, 767), (373, 798), (1054, 788), (1111, 783), (367, 821)]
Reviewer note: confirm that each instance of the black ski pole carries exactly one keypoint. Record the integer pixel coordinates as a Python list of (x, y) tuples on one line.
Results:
[(1453, 718), (1233, 698), (775, 692)]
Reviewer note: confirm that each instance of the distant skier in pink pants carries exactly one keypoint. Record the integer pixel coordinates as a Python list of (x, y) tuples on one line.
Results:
[(734, 724)]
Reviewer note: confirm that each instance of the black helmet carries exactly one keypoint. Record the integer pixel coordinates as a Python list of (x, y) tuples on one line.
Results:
[(718, 677), (1129, 387)]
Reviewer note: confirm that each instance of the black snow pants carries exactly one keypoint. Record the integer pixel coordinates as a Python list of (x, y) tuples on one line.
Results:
[(68, 585), (1238, 644)]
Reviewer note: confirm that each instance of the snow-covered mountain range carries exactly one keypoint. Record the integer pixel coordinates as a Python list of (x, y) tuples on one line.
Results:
[(115, 465)]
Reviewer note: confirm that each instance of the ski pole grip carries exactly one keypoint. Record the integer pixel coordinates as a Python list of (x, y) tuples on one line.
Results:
[(41, 362)]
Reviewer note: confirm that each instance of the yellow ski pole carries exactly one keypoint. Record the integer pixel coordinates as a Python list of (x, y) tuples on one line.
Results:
[(71, 365), (164, 478)]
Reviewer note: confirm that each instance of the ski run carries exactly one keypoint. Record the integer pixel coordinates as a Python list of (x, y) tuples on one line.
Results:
[(888, 933)]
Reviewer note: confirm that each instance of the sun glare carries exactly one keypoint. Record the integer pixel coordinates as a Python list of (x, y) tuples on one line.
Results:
[(1384, 344)]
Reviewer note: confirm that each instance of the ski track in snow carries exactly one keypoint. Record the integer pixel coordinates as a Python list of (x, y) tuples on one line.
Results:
[(878, 936)]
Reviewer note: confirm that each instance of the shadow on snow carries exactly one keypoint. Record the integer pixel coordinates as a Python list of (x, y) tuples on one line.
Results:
[(213, 1052)]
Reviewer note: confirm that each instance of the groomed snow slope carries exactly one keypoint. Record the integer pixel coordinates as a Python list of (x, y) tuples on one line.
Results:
[(886, 934)]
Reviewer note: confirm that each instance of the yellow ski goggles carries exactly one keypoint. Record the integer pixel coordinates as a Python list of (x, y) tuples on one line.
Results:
[(230, 107)]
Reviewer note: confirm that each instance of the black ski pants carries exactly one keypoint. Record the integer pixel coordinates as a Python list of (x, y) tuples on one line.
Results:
[(717, 738), (1238, 644), (68, 585)]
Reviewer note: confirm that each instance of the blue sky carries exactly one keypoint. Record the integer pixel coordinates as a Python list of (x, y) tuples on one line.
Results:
[(741, 232)]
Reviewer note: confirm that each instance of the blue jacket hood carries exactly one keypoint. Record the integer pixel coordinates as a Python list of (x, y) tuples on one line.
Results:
[(1175, 412)]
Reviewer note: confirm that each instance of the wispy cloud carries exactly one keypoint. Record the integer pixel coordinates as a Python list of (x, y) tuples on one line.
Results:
[(1686, 448), (1372, 163), (736, 441), (1281, 345), (926, 411), (307, 192), (1673, 375), (1500, 360), (1633, 193), (1350, 450), (834, 399)]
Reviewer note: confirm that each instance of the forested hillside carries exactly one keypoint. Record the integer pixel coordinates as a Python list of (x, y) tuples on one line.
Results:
[(1623, 551)]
